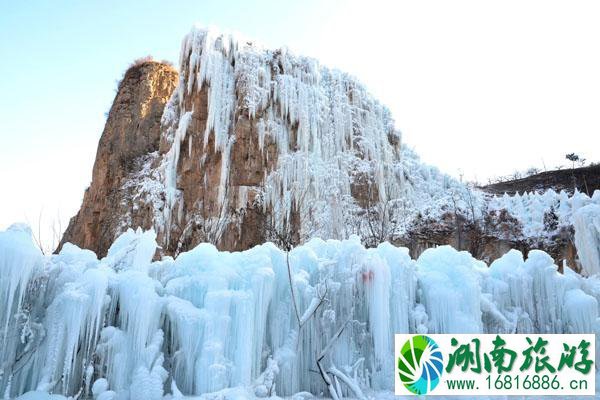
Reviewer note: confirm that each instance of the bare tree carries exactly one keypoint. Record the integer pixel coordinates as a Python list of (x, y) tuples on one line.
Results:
[(37, 234), (46, 242), (468, 219), (532, 171), (208, 222), (284, 235), (332, 374), (212, 227), (575, 158), (516, 175), (381, 219), (57, 230), (457, 217)]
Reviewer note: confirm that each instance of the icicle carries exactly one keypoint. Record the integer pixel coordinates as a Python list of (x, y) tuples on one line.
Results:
[(587, 237), (226, 320), (18, 260), (323, 123)]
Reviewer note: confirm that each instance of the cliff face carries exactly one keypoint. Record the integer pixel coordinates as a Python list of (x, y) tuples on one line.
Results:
[(264, 145), (491, 236), (248, 145), (253, 145), (132, 130)]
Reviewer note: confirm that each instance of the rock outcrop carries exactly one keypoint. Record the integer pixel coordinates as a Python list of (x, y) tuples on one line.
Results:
[(132, 130), (253, 145), (583, 179), (248, 145), (265, 145)]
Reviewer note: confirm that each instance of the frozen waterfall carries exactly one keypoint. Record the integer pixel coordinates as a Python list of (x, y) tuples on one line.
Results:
[(126, 327)]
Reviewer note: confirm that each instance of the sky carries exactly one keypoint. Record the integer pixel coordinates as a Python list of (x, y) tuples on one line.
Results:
[(478, 88)]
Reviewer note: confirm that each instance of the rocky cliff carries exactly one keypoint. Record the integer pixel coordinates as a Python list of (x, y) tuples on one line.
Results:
[(132, 130), (253, 145), (247, 145)]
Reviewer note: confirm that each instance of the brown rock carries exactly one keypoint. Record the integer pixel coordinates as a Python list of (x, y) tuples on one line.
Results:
[(132, 130)]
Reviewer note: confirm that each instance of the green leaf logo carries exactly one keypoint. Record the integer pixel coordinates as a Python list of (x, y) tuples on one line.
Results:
[(420, 364)]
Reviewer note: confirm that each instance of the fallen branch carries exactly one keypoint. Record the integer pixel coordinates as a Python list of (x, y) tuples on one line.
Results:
[(348, 381), (335, 394)]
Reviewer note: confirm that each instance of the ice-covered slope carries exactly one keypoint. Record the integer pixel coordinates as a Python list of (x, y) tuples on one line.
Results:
[(260, 145), (211, 320), (257, 144), (440, 210), (543, 214)]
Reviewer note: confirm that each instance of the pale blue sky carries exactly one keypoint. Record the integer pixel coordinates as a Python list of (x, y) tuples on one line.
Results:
[(477, 86), (60, 64)]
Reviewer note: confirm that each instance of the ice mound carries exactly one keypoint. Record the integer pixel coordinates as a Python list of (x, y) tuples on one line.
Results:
[(210, 321)]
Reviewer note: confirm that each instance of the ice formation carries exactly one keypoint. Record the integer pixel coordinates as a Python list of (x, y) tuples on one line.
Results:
[(429, 193), (127, 327), (543, 214), (587, 236), (326, 128), (330, 153)]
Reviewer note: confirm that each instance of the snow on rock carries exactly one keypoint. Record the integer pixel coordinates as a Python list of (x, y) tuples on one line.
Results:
[(223, 325), (326, 131), (429, 193), (543, 214), (587, 236)]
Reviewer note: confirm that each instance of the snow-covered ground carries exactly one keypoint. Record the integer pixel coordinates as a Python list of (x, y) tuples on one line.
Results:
[(227, 323)]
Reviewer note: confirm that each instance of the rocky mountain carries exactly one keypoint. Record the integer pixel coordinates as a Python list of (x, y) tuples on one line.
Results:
[(132, 131), (242, 146), (253, 145), (246, 145)]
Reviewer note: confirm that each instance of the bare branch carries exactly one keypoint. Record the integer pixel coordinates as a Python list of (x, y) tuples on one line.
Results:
[(293, 292), (351, 383), (333, 339)]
